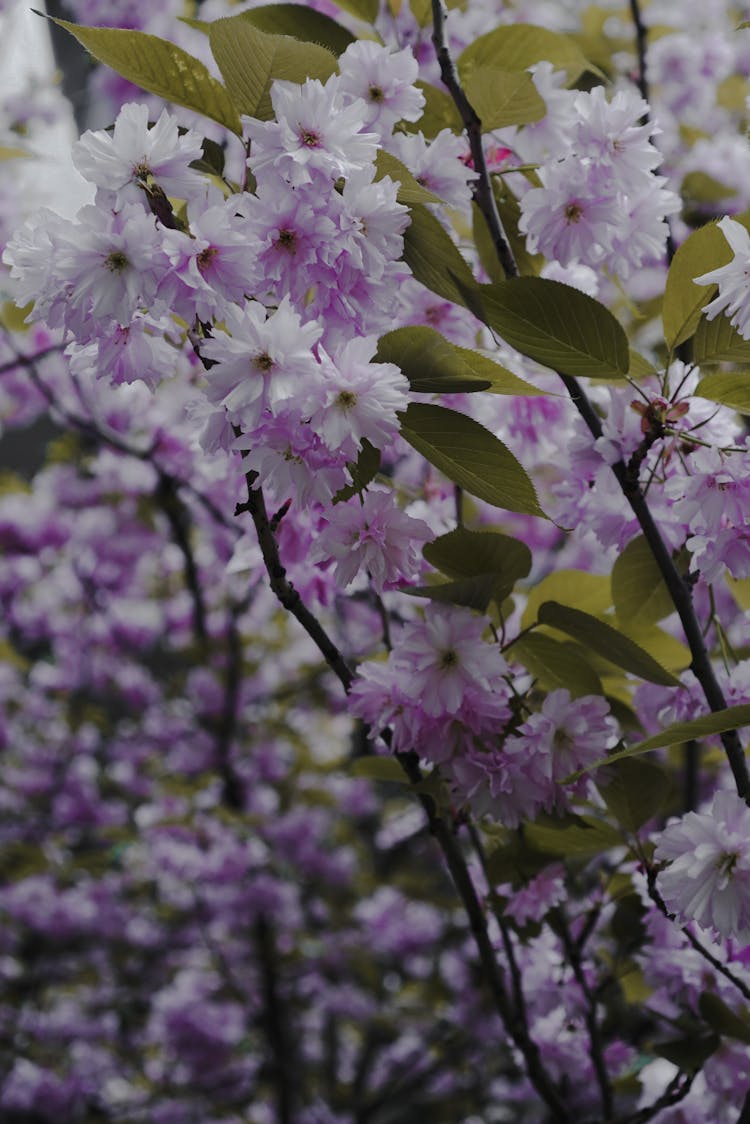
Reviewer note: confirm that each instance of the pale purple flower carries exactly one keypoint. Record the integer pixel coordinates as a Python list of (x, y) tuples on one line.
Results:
[(437, 164), (573, 216), (374, 535), (444, 655), (262, 362), (132, 155), (733, 279), (384, 81), (707, 879), (112, 264), (608, 134), (358, 399), (314, 134)]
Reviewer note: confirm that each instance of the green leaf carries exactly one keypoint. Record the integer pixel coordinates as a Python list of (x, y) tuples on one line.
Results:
[(557, 663), (606, 641), (705, 249), (300, 22), (439, 113), (640, 368), (638, 589), (716, 341), (503, 97), (554, 324), (577, 588), (722, 1018), (250, 60), (470, 456), (434, 365), (731, 390), (159, 67), (702, 188), (362, 471), (433, 258), (634, 792), (379, 769), (575, 836), (478, 555), (518, 46), (473, 593), (410, 190), (690, 1053), (718, 722), (366, 10)]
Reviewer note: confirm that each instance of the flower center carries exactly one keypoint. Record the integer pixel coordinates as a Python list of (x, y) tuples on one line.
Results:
[(310, 138), (345, 399), (448, 659), (116, 262), (205, 257), (262, 362), (376, 94), (287, 240), (573, 213)]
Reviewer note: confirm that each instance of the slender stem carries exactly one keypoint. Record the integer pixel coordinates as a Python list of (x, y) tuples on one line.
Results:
[(573, 952), (440, 828), (178, 517), (640, 45), (483, 193), (658, 900), (676, 1091), (282, 1067)]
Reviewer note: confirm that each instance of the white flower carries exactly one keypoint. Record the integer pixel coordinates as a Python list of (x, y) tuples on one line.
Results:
[(708, 876)]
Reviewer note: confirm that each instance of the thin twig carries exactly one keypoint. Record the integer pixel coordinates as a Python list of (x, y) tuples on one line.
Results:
[(591, 1016), (658, 900), (483, 193)]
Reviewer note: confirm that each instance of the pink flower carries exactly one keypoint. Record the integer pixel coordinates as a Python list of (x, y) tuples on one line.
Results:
[(445, 655), (385, 83), (708, 876), (134, 153), (357, 398), (373, 535)]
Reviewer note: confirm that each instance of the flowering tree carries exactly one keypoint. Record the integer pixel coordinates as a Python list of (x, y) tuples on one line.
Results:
[(374, 638)]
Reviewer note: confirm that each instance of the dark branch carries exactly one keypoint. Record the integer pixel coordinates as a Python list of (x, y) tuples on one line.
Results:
[(483, 193)]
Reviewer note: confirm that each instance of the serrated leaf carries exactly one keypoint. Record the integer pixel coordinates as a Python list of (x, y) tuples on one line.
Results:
[(576, 836), (300, 22), (503, 97), (433, 258), (470, 456), (518, 46), (577, 588), (722, 1018), (606, 641), (716, 341), (731, 390), (410, 190), (434, 365), (557, 663), (634, 792), (379, 769), (250, 60), (472, 593), (638, 589), (480, 555), (718, 722), (554, 324), (161, 68), (704, 250)]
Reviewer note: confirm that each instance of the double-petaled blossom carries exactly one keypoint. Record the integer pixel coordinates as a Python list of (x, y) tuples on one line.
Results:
[(315, 135), (373, 535), (707, 877), (135, 155), (385, 83)]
